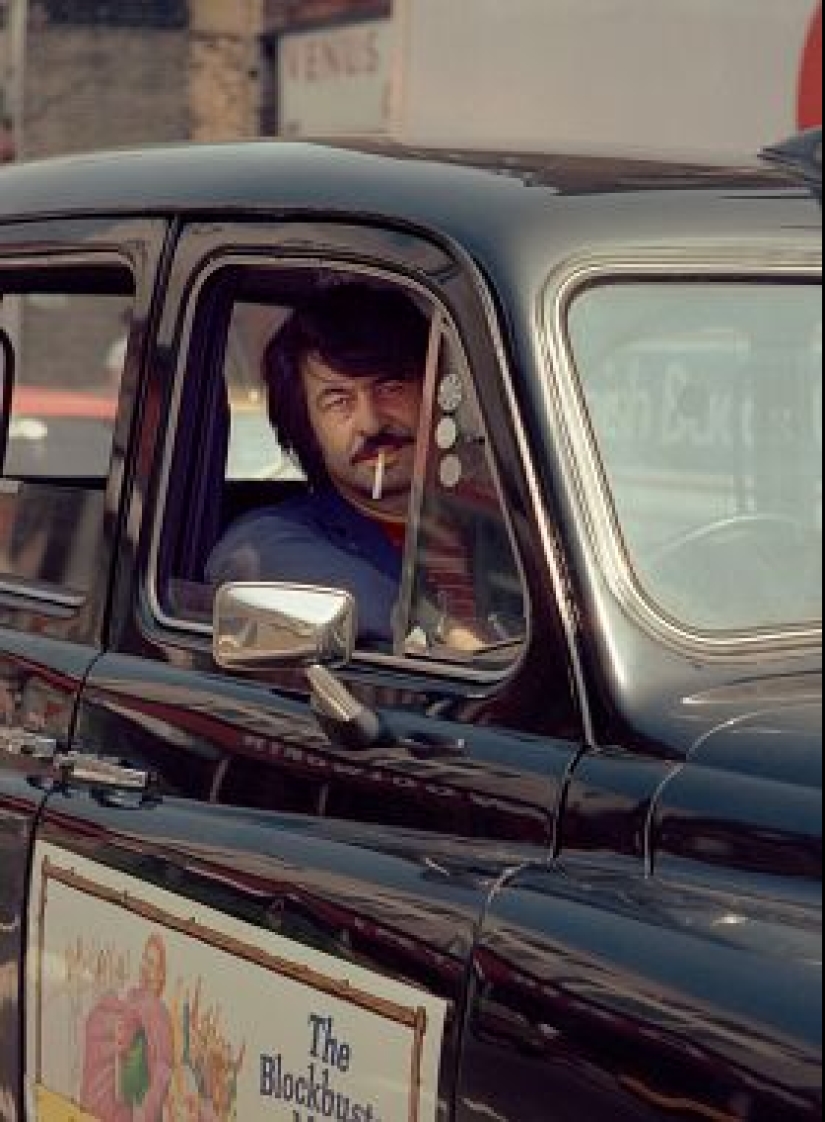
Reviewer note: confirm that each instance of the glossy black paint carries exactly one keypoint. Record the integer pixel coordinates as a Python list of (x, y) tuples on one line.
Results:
[(599, 995), (608, 864), (20, 802), (395, 904)]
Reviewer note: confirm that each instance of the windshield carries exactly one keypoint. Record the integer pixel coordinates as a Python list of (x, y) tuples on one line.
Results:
[(705, 401)]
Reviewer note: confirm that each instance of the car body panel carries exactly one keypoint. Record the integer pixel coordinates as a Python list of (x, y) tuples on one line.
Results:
[(636, 1000)]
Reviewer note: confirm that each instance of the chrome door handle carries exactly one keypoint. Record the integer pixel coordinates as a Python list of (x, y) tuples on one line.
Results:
[(78, 767), (28, 745)]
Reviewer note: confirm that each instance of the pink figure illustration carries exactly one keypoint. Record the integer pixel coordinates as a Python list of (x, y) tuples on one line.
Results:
[(129, 1048)]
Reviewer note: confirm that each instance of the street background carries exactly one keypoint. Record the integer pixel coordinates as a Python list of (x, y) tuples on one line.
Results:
[(715, 75)]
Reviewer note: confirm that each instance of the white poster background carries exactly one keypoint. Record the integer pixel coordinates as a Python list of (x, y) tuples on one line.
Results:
[(710, 76), (336, 81), (268, 1015)]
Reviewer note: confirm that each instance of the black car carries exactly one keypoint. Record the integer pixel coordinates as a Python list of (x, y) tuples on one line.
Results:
[(253, 867)]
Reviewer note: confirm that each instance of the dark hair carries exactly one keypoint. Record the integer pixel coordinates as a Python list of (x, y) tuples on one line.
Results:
[(357, 329)]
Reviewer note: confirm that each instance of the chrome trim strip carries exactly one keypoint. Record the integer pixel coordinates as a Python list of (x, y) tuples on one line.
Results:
[(41, 594), (569, 418)]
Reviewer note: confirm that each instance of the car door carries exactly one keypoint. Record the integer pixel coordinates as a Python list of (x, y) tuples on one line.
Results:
[(66, 291), (274, 915)]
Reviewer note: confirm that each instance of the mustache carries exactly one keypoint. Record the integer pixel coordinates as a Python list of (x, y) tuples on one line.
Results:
[(389, 440)]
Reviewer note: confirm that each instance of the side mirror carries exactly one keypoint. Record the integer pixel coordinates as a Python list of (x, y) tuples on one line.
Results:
[(6, 388), (266, 626)]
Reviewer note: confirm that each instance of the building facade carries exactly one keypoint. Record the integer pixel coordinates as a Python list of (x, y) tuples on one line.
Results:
[(93, 74)]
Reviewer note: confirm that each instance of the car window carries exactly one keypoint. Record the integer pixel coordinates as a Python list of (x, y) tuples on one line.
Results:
[(441, 580), (67, 329), (705, 401)]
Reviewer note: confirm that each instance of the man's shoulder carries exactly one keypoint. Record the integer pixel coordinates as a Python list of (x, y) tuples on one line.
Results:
[(304, 515)]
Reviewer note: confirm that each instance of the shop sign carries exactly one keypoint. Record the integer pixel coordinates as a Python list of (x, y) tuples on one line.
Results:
[(336, 81)]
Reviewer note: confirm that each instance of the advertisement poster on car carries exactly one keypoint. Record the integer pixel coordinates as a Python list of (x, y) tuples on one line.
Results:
[(144, 1006)]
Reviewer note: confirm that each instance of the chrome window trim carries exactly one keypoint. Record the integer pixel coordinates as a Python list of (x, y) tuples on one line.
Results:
[(463, 672), (42, 593), (72, 258), (569, 417)]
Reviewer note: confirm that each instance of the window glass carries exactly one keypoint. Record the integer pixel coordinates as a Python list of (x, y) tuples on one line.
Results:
[(705, 400), (70, 346), (466, 599), (67, 328)]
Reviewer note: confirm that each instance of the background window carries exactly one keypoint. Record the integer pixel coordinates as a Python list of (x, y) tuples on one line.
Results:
[(254, 452)]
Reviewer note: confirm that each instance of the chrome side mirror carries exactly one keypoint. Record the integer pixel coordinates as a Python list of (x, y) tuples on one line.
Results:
[(266, 626)]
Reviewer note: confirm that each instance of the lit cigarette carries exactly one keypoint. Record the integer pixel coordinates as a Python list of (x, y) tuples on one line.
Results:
[(378, 485)]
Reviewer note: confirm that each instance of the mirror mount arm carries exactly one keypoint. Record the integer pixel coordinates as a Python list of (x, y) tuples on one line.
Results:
[(346, 722)]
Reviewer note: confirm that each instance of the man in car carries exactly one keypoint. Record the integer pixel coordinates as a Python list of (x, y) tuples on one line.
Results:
[(345, 378)]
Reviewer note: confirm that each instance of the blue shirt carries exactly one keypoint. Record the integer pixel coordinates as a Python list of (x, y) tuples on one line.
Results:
[(318, 539)]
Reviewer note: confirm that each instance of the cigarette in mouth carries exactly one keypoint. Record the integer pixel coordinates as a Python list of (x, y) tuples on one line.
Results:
[(378, 485)]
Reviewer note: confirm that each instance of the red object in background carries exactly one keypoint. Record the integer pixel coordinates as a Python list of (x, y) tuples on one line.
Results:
[(63, 403), (809, 111)]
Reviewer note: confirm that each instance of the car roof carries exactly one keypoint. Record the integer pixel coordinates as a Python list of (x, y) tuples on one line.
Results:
[(262, 175), (483, 200)]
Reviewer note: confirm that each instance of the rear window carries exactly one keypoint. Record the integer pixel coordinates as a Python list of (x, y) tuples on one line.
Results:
[(67, 328), (69, 336)]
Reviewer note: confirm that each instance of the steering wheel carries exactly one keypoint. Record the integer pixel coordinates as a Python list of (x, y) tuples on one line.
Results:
[(742, 570)]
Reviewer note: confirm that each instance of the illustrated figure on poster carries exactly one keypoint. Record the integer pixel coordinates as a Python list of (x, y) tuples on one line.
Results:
[(129, 1055)]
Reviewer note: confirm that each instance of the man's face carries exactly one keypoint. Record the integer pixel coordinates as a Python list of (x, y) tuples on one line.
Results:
[(366, 429)]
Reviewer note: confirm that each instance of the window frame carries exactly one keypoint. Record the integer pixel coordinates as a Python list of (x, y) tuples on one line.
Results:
[(581, 453), (198, 633)]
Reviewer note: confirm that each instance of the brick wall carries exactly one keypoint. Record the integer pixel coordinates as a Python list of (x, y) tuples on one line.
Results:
[(114, 73), (102, 87)]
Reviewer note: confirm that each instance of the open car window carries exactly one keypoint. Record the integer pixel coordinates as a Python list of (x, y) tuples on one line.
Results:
[(458, 587)]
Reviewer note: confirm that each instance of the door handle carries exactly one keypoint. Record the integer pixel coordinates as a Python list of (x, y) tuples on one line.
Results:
[(73, 767), (97, 771), (29, 745)]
